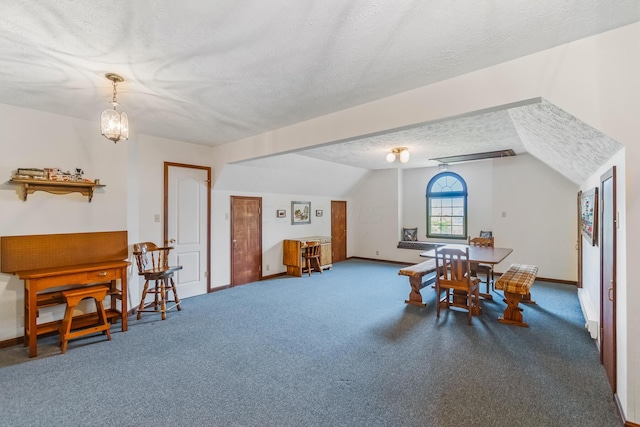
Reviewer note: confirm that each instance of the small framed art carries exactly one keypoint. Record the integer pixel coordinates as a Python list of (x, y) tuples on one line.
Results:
[(281, 213), (300, 213)]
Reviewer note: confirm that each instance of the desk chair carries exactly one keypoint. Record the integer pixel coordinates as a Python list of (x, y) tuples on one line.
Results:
[(153, 264), (457, 278), (486, 269), (311, 254)]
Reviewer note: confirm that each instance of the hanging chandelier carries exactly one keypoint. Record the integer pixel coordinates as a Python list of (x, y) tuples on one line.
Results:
[(115, 125), (401, 153)]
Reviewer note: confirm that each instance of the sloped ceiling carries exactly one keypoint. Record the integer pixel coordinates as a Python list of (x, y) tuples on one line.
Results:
[(538, 127)]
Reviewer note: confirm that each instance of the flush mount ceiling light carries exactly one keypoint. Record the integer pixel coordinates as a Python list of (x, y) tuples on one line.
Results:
[(115, 125), (401, 153)]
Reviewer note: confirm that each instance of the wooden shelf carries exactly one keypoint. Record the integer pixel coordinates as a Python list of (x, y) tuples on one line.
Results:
[(55, 187)]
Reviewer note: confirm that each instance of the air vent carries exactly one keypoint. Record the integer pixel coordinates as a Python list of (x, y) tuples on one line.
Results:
[(476, 156)]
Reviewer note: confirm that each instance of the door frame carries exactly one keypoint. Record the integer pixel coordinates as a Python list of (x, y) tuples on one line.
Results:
[(610, 174), (165, 231)]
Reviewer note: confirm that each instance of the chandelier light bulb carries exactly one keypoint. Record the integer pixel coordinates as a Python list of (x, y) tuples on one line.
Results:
[(398, 153), (404, 156)]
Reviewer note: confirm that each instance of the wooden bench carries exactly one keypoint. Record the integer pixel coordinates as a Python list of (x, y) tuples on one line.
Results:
[(73, 298), (516, 283), (416, 273)]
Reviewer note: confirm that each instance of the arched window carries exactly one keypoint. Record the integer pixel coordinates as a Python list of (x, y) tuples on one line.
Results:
[(447, 206)]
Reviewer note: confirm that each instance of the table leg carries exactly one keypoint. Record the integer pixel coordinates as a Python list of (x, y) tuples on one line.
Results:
[(31, 328), (415, 297), (125, 298)]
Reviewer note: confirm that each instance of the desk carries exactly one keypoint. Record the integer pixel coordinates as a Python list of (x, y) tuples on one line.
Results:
[(292, 253), (36, 282), (480, 254), (48, 261)]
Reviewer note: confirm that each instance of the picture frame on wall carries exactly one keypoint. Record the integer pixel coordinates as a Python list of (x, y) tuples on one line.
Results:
[(300, 213), (281, 213), (589, 215), (319, 212)]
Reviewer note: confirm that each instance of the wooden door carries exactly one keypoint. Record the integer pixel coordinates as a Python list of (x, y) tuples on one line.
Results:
[(187, 225), (339, 230), (608, 275), (246, 240)]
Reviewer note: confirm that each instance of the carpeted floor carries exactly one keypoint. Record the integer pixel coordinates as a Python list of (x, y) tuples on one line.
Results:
[(336, 349)]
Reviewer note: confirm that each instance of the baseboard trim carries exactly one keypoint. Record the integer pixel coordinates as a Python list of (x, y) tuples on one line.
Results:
[(381, 260), (621, 412), (273, 276)]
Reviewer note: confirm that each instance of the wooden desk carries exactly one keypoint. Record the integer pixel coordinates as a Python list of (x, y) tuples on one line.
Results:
[(37, 282), (292, 253), (49, 261)]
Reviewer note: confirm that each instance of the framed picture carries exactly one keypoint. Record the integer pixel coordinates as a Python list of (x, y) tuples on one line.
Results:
[(300, 213), (318, 212), (281, 213), (589, 215)]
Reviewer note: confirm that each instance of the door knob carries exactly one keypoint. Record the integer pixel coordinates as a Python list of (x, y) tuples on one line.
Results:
[(610, 294), (172, 240)]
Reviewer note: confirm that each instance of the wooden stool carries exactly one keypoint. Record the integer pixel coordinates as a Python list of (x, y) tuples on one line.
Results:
[(73, 297)]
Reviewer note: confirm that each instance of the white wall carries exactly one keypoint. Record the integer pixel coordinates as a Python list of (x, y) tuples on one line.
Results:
[(525, 189), (32, 139)]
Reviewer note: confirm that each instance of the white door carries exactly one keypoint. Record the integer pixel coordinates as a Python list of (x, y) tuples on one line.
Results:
[(187, 225)]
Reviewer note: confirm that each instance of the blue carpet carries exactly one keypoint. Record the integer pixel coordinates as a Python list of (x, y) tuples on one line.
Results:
[(335, 349)]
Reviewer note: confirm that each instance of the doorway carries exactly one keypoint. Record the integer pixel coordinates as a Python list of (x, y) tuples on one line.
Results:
[(246, 240), (338, 230), (608, 229), (187, 225)]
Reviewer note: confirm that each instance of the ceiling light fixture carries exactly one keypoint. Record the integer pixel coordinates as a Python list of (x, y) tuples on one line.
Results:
[(115, 125), (401, 153)]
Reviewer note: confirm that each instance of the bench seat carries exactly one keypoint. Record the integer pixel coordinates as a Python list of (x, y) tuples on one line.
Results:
[(516, 283), (416, 272)]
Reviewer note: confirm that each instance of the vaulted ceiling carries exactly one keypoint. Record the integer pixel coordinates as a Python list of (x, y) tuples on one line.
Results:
[(213, 72)]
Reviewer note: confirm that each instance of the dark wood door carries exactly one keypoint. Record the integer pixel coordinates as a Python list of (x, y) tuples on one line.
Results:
[(246, 240), (608, 275), (339, 230)]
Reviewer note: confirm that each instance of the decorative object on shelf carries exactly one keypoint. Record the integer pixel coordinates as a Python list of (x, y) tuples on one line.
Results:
[(589, 215), (54, 181), (115, 125), (401, 153), (281, 213), (300, 213), (319, 212)]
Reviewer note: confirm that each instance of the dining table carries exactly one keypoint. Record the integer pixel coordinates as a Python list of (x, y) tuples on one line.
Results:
[(477, 254)]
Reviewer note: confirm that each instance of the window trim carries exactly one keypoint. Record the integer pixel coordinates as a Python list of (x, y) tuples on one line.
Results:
[(429, 194)]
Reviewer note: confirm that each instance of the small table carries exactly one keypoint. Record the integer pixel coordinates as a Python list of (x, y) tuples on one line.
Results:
[(37, 282), (479, 254)]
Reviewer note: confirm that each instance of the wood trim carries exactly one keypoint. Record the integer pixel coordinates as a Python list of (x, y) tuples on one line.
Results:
[(165, 228), (273, 276)]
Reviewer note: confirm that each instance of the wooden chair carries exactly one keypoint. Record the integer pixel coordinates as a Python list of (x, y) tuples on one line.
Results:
[(486, 269), (153, 264), (460, 287), (311, 254)]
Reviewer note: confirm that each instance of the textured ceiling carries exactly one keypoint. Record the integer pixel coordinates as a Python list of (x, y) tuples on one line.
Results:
[(212, 72), (557, 138)]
